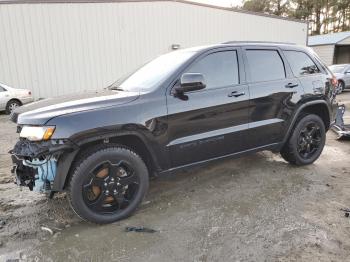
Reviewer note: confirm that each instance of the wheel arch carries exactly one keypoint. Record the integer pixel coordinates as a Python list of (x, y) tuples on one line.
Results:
[(318, 107), (13, 99), (131, 140)]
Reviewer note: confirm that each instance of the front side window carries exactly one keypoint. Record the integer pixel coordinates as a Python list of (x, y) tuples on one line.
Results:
[(265, 65), (301, 64), (219, 69)]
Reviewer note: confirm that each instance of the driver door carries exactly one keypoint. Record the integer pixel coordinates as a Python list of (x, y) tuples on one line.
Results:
[(211, 122)]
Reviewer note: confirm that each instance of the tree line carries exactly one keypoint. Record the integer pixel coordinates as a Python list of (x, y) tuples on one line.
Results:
[(324, 16)]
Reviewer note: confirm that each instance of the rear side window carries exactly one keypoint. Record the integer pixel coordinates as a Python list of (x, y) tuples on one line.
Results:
[(301, 63), (219, 69), (265, 65), (2, 89)]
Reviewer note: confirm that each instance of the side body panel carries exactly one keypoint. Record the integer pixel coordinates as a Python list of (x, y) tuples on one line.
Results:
[(272, 104)]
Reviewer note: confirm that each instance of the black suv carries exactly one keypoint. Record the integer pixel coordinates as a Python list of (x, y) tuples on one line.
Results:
[(183, 108)]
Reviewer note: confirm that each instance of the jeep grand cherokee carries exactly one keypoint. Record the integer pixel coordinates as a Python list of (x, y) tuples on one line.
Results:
[(183, 108)]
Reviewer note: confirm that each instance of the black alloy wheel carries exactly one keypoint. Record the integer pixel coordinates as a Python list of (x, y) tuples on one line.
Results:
[(310, 139), (107, 184), (306, 142), (110, 188)]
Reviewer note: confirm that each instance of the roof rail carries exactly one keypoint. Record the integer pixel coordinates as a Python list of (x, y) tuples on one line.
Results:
[(257, 42)]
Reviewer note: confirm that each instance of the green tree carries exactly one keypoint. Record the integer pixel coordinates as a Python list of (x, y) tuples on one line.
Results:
[(324, 16), (260, 6)]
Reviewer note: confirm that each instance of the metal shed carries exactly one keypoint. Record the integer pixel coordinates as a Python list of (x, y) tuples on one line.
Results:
[(332, 48), (64, 46)]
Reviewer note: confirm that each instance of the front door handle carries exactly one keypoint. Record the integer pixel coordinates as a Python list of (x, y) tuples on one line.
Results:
[(291, 85), (236, 94)]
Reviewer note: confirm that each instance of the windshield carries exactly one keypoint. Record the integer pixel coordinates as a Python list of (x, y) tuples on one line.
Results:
[(337, 69), (150, 75)]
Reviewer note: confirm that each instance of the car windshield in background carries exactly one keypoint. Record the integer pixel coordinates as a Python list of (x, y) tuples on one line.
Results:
[(150, 75), (337, 69)]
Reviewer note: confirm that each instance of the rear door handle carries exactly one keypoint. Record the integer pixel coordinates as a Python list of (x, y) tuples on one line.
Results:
[(291, 85), (236, 94)]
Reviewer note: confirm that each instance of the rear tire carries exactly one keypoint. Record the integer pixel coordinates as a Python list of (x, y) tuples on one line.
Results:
[(306, 142), (108, 184)]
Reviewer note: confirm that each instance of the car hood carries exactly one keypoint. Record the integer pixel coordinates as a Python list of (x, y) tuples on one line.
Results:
[(39, 113)]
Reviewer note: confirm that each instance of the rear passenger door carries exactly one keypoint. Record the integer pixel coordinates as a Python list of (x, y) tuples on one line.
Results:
[(274, 93)]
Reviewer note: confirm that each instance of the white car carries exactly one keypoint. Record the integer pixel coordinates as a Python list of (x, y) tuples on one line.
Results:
[(11, 98)]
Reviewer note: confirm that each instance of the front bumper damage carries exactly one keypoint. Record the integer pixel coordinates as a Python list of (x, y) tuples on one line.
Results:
[(36, 164)]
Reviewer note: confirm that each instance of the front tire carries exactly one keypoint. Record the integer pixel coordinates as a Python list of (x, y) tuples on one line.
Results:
[(306, 142), (108, 185)]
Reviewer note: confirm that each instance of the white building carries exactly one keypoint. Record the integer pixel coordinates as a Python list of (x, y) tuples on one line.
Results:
[(64, 46), (332, 48)]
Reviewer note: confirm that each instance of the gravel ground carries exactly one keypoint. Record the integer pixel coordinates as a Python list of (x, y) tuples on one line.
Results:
[(256, 208)]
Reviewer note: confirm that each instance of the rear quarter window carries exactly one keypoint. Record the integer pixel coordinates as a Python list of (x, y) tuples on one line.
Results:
[(301, 64)]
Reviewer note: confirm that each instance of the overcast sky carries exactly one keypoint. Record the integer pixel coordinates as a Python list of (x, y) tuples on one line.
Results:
[(227, 3)]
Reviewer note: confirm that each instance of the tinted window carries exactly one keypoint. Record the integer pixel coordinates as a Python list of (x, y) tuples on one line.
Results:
[(265, 65), (219, 69), (301, 63)]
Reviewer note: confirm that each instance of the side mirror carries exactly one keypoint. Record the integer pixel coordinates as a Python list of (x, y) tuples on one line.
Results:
[(191, 82)]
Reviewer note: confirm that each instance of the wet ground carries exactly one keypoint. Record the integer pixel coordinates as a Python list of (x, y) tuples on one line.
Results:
[(256, 208)]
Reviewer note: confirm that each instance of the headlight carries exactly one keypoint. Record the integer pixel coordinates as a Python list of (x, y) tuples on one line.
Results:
[(37, 133)]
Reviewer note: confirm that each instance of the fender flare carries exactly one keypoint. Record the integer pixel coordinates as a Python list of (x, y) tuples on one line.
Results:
[(297, 114)]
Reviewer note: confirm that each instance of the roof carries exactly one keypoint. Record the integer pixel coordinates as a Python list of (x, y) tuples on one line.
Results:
[(176, 1), (283, 46), (329, 39)]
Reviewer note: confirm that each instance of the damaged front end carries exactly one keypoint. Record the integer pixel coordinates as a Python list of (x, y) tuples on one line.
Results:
[(35, 163)]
